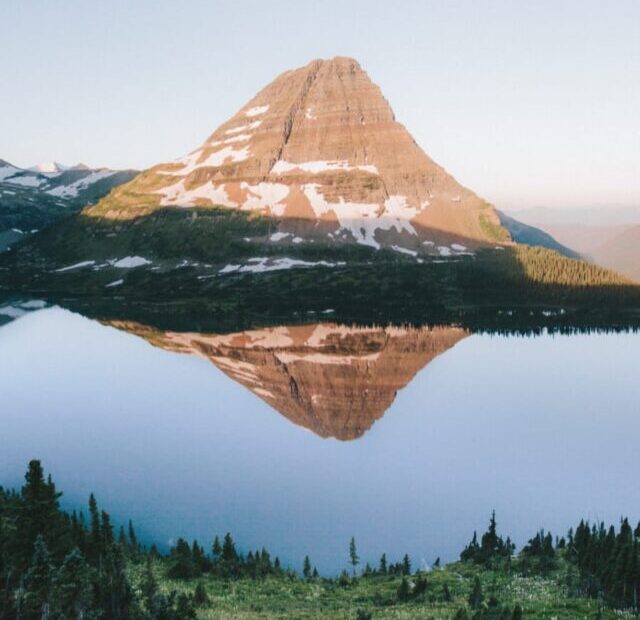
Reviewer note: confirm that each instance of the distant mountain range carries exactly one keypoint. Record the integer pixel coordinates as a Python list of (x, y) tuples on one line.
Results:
[(35, 197), (608, 236)]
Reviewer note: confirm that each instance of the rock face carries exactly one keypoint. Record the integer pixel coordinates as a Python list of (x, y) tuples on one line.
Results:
[(331, 379), (319, 149)]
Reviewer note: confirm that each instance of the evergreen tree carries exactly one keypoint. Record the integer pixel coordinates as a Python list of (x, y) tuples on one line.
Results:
[(406, 565), (306, 569), (133, 539), (404, 591), (229, 553), (181, 561), (382, 569), (476, 597), (446, 593), (354, 560), (38, 582), (216, 549), (200, 596), (39, 514), (72, 587)]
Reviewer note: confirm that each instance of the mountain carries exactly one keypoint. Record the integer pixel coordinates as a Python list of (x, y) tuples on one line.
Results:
[(531, 235), (319, 151), (334, 380), (621, 252), (33, 198), (312, 197)]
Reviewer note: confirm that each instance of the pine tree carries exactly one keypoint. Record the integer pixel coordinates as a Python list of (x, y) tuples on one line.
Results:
[(38, 582), (306, 569), (403, 592), (39, 513), (216, 549), (181, 565), (382, 569), (353, 555), (406, 565), (200, 596), (229, 553), (476, 597), (446, 593), (72, 587)]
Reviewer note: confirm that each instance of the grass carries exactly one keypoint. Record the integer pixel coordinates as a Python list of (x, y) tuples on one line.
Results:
[(292, 597)]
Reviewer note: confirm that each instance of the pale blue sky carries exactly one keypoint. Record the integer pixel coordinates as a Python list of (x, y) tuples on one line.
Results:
[(527, 103)]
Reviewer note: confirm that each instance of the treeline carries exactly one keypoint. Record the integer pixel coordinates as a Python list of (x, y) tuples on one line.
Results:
[(59, 566), (188, 561), (602, 563)]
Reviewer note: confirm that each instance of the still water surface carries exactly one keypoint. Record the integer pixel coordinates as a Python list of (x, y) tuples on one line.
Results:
[(295, 439)]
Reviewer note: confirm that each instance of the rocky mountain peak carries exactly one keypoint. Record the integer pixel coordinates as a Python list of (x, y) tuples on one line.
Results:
[(319, 150)]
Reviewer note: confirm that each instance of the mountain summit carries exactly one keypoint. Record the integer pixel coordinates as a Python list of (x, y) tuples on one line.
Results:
[(319, 149)]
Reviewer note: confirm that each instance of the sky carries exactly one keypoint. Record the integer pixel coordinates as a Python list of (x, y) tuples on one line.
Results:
[(527, 103)]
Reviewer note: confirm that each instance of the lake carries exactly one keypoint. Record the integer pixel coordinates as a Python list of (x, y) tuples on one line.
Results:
[(297, 438)]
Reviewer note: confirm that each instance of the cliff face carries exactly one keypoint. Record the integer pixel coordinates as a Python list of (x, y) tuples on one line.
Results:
[(319, 150), (331, 379)]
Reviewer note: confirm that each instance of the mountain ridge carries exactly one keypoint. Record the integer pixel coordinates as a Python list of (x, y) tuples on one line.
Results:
[(319, 144)]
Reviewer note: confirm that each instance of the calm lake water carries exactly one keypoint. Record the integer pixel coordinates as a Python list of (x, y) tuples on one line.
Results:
[(294, 438)]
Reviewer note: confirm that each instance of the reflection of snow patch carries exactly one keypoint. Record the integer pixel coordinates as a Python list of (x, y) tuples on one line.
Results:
[(402, 250), (114, 283), (84, 263), (129, 262), (278, 236)]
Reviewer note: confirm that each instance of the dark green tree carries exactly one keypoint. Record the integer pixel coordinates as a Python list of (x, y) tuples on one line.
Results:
[(476, 597), (72, 587), (354, 559)]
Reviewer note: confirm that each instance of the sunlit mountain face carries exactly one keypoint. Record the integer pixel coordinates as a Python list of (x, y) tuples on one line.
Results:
[(334, 380)]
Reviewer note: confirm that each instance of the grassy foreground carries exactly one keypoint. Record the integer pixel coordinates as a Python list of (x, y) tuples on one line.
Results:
[(60, 566), (376, 596)]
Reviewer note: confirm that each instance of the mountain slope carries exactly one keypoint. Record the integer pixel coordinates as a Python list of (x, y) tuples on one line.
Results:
[(319, 151), (621, 253), (530, 235), (33, 198)]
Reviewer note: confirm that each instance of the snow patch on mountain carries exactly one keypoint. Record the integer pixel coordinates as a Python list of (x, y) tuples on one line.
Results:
[(261, 265), (265, 196), (178, 195), (364, 219), (316, 167), (73, 189), (213, 160), (257, 110), (241, 128)]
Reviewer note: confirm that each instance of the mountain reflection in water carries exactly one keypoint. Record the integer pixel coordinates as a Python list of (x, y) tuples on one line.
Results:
[(334, 380)]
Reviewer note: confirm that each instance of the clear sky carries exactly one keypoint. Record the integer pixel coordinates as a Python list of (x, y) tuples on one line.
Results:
[(527, 103)]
